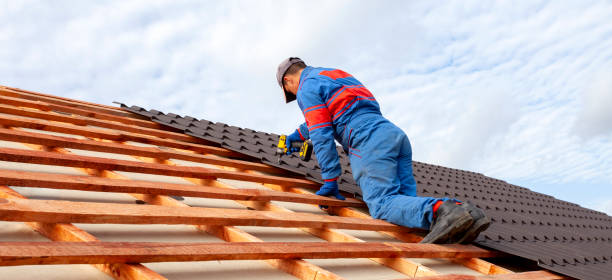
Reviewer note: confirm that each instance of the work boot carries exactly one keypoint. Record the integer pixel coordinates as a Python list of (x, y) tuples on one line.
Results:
[(450, 220), (481, 223)]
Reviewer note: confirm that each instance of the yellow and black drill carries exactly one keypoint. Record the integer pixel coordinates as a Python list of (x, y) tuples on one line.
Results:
[(305, 148)]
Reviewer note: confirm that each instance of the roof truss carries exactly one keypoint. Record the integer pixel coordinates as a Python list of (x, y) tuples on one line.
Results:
[(28, 116)]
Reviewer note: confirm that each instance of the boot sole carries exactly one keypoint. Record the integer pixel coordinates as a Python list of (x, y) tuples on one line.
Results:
[(462, 223), (479, 226)]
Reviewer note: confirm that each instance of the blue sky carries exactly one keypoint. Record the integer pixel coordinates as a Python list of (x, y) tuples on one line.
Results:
[(519, 91)]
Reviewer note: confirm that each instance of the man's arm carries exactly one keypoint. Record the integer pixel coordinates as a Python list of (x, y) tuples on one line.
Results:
[(320, 130), (303, 131)]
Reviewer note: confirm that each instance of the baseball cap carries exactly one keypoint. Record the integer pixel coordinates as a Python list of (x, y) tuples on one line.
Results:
[(280, 73)]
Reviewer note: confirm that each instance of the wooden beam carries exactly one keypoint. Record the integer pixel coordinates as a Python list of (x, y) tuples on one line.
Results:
[(79, 120), (44, 106), (475, 264), (54, 211), (88, 183), (69, 232), (4, 91), (296, 267), (530, 275), (30, 253), (482, 266), (402, 265), (125, 149), (111, 135), (55, 97), (50, 158)]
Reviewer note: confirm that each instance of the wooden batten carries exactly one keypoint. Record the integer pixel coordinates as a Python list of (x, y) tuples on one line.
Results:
[(125, 149), (51, 158), (56, 211), (68, 232), (25, 253), (88, 183)]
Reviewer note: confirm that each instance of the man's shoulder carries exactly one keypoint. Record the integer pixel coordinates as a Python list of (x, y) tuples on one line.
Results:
[(325, 73)]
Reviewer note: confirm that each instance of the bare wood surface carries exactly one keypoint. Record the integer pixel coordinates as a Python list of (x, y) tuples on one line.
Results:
[(252, 168), (54, 211), (79, 120), (55, 97), (11, 92), (51, 158), (88, 183), (296, 267), (108, 134), (475, 264), (405, 266), (69, 232), (28, 253), (125, 149), (530, 275), (44, 106), (482, 266)]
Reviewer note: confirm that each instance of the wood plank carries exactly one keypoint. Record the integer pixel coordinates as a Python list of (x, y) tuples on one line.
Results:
[(30, 253), (401, 265), (475, 264), (4, 91), (482, 266), (296, 267), (54, 211), (88, 183), (103, 133), (530, 275), (51, 158), (79, 120), (125, 149), (44, 106), (55, 97), (69, 232)]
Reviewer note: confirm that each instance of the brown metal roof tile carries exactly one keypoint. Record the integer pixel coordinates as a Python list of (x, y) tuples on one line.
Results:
[(559, 235)]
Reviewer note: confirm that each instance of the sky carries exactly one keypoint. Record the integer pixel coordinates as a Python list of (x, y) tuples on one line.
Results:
[(517, 90)]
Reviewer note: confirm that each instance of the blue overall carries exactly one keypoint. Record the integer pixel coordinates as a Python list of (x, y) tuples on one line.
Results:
[(337, 106)]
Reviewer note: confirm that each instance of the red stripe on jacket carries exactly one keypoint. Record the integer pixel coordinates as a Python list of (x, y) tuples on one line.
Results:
[(340, 103), (317, 116), (335, 74)]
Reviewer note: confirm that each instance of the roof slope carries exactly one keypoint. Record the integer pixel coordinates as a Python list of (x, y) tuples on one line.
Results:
[(561, 236), (65, 161)]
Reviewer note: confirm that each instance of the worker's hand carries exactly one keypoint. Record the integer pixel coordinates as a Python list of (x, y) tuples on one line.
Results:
[(293, 137)]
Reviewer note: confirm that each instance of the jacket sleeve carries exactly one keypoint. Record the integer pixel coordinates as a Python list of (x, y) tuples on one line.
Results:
[(303, 131), (320, 130)]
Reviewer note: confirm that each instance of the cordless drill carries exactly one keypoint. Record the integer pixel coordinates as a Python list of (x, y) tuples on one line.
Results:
[(305, 148)]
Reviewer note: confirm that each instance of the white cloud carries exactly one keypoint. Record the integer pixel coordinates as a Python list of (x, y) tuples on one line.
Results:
[(595, 117), (604, 206), (501, 88)]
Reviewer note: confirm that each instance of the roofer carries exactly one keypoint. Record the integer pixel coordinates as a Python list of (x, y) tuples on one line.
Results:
[(337, 106)]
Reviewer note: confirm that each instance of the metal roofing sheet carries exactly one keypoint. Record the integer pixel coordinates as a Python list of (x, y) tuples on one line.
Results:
[(558, 235)]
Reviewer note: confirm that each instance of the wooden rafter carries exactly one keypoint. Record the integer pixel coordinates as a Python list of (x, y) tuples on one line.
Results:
[(296, 267), (126, 149), (24, 253), (111, 135), (88, 183), (57, 211), (530, 275), (77, 120), (69, 232), (50, 158)]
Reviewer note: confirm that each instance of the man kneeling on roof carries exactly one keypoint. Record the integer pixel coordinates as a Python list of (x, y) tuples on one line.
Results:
[(337, 106)]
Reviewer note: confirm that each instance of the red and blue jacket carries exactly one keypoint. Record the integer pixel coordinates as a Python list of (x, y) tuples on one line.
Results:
[(330, 99)]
